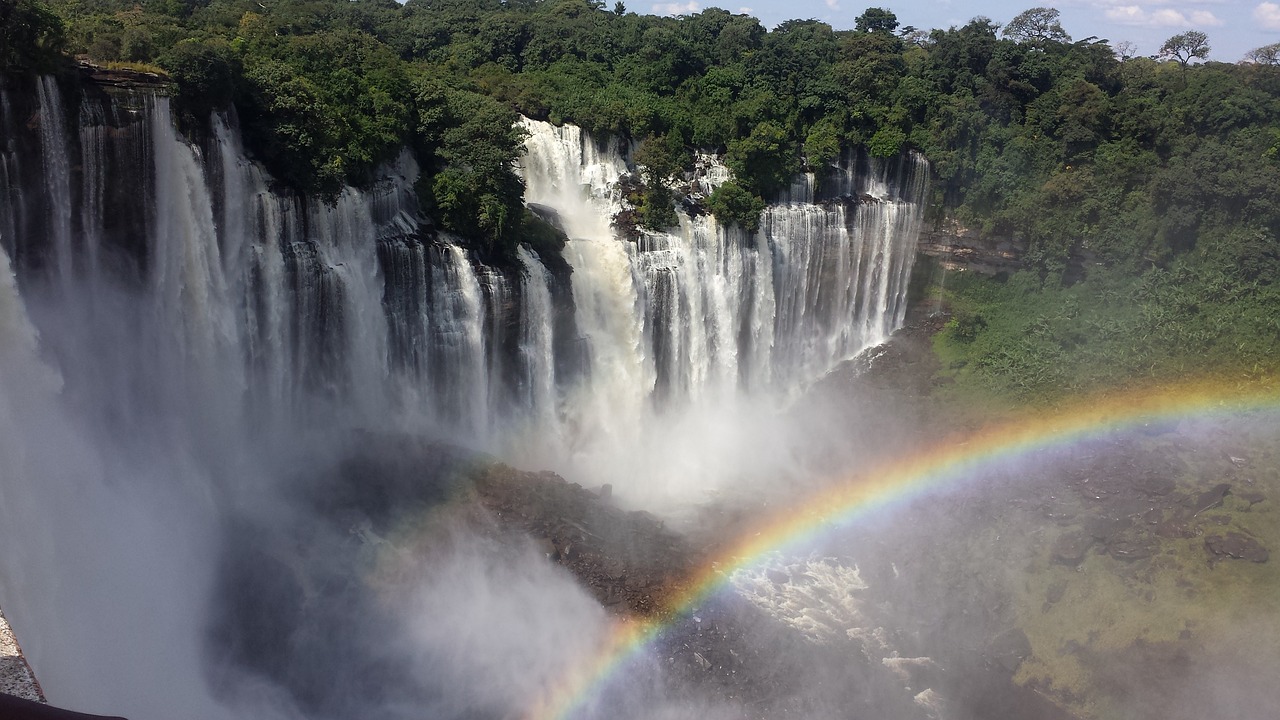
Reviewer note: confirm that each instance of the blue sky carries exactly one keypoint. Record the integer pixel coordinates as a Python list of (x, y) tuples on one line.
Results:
[(1234, 26)]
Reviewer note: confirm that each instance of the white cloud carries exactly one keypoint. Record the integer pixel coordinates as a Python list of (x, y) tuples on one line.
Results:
[(1127, 14), (1164, 17), (745, 11), (1268, 15), (833, 4), (676, 8), (1204, 18)]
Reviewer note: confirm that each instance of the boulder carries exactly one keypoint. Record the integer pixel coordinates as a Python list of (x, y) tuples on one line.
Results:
[(1071, 548), (1236, 545)]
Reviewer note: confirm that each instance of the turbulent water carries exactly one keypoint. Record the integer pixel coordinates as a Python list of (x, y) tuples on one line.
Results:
[(174, 330)]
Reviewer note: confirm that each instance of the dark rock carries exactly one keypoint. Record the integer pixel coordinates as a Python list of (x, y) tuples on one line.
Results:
[(1175, 529), (1209, 498), (1071, 548), (1238, 546), (1009, 649), (1155, 485), (1132, 548), (1104, 528), (1253, 498), (777, 576)]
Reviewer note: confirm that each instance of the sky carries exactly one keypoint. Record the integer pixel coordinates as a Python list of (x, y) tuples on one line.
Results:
[(1234, 26)]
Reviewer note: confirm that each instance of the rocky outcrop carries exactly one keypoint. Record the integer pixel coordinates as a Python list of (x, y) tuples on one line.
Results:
[(122, 78), (956, 247), (16, 677), (628, 560)]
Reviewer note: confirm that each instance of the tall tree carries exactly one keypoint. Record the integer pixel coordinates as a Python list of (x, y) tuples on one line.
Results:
[(1036, 26), (1185, 46), (1265, 55), (876, 20)]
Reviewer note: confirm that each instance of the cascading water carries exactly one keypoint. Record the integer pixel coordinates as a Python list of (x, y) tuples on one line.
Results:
[(176, 331), (684, 328), (286, 305)]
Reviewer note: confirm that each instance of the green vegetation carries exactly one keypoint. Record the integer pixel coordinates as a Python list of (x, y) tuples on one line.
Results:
[(1037, 339), (1148, 186), (31, 36)]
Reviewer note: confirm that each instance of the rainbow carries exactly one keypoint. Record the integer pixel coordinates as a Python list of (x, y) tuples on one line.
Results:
[(941, 466)]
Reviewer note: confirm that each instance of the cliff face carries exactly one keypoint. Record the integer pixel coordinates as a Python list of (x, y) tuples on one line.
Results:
[(956, 247), (52, 204), (360, 303)]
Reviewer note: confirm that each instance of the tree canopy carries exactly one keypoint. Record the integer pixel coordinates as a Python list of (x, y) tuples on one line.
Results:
[(1038, 25), (1183, 47), (1060, 142)]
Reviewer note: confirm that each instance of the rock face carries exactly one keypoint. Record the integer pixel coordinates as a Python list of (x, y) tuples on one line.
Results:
[(1235, 545), (628, 560), (16, 677), (957, 247), (312, 603), (124, 79)]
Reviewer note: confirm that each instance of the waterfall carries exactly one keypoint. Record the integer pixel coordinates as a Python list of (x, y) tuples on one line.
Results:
[(708, 310), (177, 333), (57, 173), (262, 305), (537, 347), (682, 328)]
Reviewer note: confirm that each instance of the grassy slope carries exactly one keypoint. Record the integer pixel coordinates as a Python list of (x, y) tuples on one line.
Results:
[(1017, 342)]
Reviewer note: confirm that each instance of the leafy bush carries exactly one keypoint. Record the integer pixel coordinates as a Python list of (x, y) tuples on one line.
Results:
[(731, 204)]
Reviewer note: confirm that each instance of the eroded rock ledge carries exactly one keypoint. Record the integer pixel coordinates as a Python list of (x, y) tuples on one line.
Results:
[(16, 677)]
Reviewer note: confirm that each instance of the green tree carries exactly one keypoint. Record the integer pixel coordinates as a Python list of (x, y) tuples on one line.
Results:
[(31, 35), (876, 20), (1183, 47), (1038, 26), (475, 142), (765, 160), (661, 159), (732, 204), (1265, 55)]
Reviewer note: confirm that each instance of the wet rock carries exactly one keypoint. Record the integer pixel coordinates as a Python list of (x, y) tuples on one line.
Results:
[(702, 661), (1105, 528), (1175, 529), (1208, 499), (1071, 548), (1154, 485), (1253, 498), (1132, 548), (777, 576), (1009, 649), (1055, 592), (1236, 545)]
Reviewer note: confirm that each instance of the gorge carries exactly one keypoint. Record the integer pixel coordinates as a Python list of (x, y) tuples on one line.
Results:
[(183, 340), (547, 359)]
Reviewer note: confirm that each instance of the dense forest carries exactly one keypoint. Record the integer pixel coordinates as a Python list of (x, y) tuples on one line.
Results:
[(1143, 189)]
